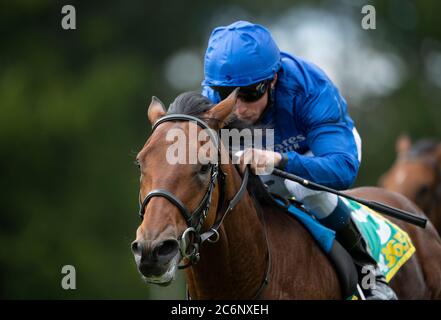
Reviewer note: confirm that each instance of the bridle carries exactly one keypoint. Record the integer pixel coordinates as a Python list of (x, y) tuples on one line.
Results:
[(189, 245)]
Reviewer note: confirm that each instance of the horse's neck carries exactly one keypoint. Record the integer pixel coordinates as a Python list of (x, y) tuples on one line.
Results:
[(433, 208), (435, 212), (235, 266)]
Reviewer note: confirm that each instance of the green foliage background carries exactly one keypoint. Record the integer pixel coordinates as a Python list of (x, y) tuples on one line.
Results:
[(73, 115)]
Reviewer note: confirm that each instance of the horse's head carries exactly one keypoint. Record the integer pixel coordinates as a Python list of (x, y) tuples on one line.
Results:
[(177, 198), (416, 172)]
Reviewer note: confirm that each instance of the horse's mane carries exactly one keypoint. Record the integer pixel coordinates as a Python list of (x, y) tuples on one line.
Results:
[(422, 147), (190, 103)]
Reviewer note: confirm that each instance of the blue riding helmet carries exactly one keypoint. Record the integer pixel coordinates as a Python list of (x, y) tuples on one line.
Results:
[(240, 54)]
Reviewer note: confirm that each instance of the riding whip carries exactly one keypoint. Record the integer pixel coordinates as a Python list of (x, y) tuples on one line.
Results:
[(374, 205)]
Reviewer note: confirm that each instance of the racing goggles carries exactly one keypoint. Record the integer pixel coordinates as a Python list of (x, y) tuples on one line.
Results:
[(249, 93)]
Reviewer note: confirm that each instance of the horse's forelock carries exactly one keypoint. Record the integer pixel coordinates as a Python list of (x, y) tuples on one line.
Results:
[(190, 103)]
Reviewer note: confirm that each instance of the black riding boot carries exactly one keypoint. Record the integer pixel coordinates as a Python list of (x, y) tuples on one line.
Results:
[(351, 239)]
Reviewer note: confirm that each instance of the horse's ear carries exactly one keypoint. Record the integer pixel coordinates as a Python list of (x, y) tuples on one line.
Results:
[(156, 110), (224, 109), (403, 144)]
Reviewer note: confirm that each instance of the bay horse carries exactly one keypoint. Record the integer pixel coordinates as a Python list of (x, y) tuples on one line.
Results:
[(257, 251), (416, 174)]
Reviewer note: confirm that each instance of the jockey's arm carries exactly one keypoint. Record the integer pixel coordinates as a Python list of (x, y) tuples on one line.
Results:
[(335, 161), (335, 155)]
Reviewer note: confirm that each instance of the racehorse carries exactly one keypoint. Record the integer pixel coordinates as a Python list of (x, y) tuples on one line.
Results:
[(416, 174), (258, 251)]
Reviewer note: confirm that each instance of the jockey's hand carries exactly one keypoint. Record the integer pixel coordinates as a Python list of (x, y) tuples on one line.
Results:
[(261, 162)]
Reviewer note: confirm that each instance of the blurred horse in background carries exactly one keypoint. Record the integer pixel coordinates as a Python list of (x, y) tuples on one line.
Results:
[(416, 174)]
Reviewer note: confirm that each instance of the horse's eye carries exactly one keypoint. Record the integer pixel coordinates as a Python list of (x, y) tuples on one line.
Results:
[(205, 168), (423, 191)]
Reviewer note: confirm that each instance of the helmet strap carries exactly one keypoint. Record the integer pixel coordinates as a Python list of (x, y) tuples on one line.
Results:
[(270, 102)]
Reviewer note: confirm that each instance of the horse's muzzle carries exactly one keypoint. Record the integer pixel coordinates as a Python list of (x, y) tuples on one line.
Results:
[(153, 260)]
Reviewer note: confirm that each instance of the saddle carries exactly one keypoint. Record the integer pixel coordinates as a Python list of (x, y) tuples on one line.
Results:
[(270, 190)]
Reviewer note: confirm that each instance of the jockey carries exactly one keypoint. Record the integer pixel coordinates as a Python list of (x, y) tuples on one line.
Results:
[(314, 136)]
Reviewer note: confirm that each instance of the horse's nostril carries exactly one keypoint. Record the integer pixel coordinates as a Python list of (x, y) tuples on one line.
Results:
[(167, 249), (135, 248)]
